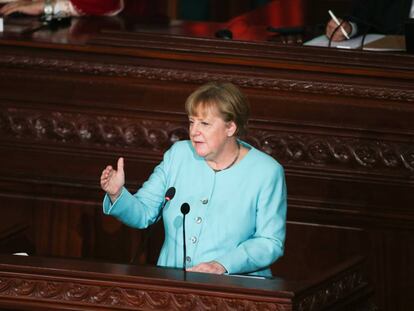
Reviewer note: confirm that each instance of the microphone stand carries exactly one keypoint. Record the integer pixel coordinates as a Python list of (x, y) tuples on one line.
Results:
[(184, 246), (185, 209)]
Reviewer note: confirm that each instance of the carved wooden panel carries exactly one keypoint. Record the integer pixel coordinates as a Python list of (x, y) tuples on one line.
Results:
[(382, 92), (71, 284), (141, 298), (316, 150)]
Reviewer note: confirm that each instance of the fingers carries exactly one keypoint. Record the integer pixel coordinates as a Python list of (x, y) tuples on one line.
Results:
[(107, 172), (203, 267), (113, 180), (106, 176), (337, 35), (208, 267), (8, 9), (26, 7), (120, 165), (330, 28)]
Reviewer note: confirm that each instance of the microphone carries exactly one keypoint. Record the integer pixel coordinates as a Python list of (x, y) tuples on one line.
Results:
[(185, 209), (169, 195), (51, 22), (224, 34)]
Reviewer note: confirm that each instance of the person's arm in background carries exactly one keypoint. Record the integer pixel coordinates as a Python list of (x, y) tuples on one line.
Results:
[(355, 23), (65, 7)]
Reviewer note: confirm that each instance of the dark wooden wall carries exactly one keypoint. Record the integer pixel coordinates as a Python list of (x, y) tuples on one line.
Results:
[(341, 123)]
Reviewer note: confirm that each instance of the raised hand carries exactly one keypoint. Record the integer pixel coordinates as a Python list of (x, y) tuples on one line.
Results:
[(113, 180)]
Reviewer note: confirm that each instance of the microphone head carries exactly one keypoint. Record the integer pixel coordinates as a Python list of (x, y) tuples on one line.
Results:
[(224, 34), (185, 208), (169, 195)]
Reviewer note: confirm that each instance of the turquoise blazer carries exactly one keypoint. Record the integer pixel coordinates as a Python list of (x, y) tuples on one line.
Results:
[(237, 216)]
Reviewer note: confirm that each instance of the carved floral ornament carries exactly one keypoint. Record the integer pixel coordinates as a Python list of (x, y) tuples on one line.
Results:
[(335, 291), (139, 297), (167, 74), (310, 150), (87, 295)]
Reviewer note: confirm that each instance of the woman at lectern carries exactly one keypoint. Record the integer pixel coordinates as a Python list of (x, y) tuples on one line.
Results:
[(235, 195)]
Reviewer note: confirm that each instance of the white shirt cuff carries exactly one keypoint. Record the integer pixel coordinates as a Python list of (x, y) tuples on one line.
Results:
[(354, 30)]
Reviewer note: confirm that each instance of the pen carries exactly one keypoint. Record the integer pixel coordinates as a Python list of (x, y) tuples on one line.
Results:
[(338, 23)]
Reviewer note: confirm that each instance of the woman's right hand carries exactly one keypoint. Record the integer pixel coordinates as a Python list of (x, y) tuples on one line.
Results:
[(338, 35), (113, 180)]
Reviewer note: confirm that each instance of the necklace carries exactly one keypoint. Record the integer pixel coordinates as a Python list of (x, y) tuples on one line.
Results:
[(232, 163)]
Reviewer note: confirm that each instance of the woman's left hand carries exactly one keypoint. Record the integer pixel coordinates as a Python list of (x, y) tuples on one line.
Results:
[(28, 7), (208, 267)]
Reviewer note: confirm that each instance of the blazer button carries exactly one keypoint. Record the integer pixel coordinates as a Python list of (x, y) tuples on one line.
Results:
[(198, 220), (204, 200), (188, 259), (194, 239)]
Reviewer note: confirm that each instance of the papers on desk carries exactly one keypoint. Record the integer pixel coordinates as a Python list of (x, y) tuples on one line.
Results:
[(250, 276), (21, 254), (372, 42), (387, 43)]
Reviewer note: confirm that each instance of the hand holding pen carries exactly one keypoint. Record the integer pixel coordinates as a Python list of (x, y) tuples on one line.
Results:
[(343, 31)]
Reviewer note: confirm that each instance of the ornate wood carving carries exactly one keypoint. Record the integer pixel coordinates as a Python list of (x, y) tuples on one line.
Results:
[(338, 152), (309, 150), (69, 283), (91, 130), (128, 297), (175, 75), (333, 292)]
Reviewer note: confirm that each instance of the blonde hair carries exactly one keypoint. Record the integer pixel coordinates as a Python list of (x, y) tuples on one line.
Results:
[(231, 103)]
